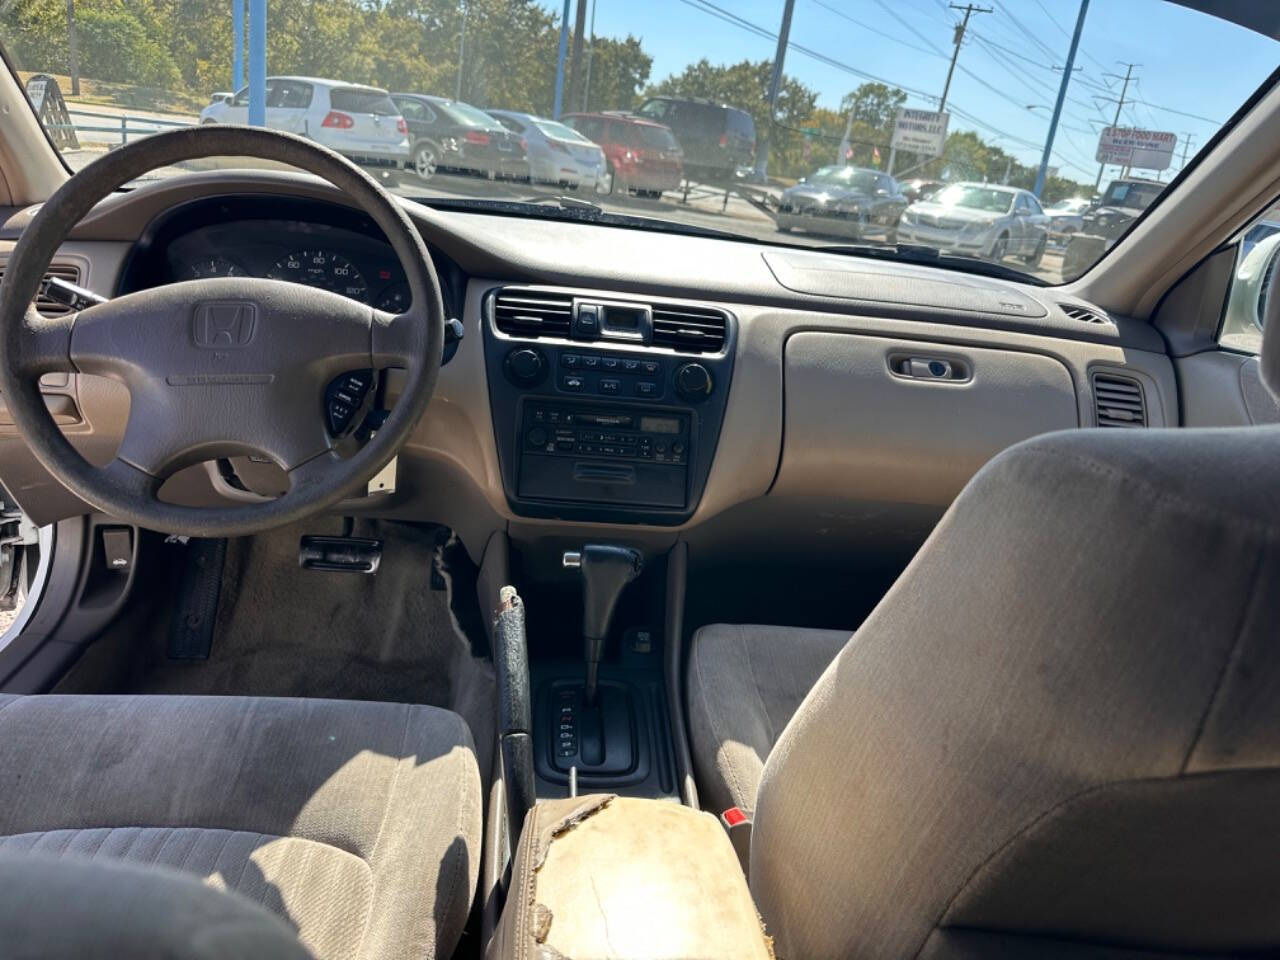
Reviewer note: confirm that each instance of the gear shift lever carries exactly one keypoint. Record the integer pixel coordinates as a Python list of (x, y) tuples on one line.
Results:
[(606, 570)]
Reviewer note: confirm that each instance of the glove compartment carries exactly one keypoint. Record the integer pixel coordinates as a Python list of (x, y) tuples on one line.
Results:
[(905, 421)]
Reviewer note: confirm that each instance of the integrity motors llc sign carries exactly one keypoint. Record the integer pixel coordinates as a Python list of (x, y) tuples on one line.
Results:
[(1132, 147), (920, 131)]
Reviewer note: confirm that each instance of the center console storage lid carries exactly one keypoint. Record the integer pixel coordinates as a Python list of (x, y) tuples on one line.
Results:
[(606, 876)]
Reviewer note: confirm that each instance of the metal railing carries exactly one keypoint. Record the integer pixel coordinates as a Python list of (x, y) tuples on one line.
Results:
[(122, 125)]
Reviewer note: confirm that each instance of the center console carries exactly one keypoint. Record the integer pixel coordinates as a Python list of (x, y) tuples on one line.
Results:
[(605, 409)]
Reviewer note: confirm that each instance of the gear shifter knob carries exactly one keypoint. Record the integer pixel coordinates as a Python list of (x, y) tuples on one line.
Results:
[(606, 570)]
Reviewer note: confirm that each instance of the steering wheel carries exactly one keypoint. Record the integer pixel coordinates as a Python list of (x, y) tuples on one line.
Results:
[(219, 367)]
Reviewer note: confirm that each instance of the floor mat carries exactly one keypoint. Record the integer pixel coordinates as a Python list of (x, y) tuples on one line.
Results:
[(283, 631)]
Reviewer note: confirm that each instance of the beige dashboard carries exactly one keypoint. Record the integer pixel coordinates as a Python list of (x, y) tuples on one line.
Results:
[(827, 435)]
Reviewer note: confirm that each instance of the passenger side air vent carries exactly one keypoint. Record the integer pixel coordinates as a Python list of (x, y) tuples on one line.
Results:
[(532, 313), (50, 308), (688, 329), (1118, 401), (1083, 314)]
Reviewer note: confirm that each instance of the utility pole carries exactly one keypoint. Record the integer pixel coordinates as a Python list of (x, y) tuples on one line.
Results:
[(591, 49), (564, 43), (775, 83), (575, 60), (73, 53), (1062, 96), (961, 27), (237, 45), (462, 51), (1119, 106)]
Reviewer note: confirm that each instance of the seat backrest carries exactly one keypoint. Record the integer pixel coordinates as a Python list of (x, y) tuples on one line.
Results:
[(1059, 732)]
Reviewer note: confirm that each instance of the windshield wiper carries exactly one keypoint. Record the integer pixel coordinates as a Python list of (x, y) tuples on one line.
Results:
[(566, 203), (929, 257)]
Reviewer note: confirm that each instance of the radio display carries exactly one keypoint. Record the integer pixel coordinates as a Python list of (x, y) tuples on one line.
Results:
[(659, 425)]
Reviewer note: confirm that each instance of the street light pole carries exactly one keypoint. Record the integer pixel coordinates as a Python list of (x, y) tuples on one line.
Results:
[(775, 83), (257, 63), (462, 51), (1062, 96), (73, 52), (961, 27), (591, 48)]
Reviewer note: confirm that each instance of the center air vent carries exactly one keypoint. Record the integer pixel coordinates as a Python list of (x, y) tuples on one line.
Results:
[(1083, 314), (532, 313), (51, 308), (688, 329), (1118, 401)]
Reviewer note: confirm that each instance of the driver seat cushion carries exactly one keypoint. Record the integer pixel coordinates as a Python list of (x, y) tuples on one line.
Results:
[(358, 823), (745, 683)]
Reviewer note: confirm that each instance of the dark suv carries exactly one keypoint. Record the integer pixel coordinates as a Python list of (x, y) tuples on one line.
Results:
[(1123, 203), (716, 139)]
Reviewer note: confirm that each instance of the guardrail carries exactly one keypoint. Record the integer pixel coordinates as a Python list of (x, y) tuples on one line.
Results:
[(123, 125)]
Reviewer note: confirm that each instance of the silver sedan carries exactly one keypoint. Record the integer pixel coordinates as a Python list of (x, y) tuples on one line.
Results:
[(979, 220)]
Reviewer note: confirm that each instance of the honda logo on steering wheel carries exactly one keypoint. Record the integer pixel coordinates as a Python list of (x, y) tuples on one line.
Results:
[(224, 325)]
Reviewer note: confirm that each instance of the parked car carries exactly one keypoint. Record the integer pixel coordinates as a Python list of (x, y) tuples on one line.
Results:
[(845, 201), (452, 135), (980, 220), (557, 153), (359, 122), (921, 188), (1121, 204), (1067, 217), (717, 140), (641, 155)]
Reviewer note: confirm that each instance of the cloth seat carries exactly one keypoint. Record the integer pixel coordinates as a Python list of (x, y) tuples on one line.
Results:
[(357, 823), (745, 682)]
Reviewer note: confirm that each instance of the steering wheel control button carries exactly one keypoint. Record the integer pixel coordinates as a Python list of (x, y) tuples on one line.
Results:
[(344, 396), (693, 382), (526, 367)]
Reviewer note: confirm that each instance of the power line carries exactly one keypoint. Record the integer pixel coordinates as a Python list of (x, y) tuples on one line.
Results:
[(887, 36)]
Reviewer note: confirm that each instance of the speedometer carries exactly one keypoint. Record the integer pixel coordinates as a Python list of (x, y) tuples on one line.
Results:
[(324, 269)]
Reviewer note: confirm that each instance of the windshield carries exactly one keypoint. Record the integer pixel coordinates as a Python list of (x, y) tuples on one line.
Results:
[(975, 198), (951, 99), (847, 177)]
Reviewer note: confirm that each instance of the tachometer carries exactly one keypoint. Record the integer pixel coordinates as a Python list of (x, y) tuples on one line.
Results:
[(324, 269), (215, 267)]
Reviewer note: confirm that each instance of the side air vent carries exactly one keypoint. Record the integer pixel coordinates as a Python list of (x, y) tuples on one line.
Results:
[(1083, 314), (688, 329), (532, 313), (50, 308), (1118, 401)]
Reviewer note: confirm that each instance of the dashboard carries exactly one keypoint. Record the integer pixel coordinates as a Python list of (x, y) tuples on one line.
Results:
[(810, 418)]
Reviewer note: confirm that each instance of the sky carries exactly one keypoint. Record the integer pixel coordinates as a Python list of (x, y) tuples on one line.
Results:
[(1194, 71)]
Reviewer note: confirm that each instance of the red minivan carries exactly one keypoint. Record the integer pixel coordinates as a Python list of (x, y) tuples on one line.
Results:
[(642, 155)]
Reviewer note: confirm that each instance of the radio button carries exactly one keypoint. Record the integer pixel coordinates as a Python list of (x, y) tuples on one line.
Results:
[(537, 437)]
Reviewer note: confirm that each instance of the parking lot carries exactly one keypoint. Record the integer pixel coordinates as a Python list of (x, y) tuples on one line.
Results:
[(745, 212)]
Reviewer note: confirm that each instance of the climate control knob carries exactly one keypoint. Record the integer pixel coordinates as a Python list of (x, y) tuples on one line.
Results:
[(526, 367), (694, 383)]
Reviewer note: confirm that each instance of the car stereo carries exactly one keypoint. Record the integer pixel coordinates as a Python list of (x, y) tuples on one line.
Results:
[(605, 409)]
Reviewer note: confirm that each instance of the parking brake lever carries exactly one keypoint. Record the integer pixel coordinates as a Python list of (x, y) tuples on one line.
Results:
[(515, 714)]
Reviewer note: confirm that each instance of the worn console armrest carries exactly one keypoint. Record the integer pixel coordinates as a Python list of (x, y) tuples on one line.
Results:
[(603, 876)]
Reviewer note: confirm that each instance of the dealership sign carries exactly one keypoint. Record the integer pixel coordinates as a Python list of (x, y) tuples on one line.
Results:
[(920, 131), (1132, 147)]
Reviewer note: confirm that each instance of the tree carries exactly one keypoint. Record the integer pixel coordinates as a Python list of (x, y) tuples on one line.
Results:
[(619, 71)]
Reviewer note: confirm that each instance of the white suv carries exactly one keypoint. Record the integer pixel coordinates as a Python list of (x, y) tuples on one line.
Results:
[(358, 122)]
